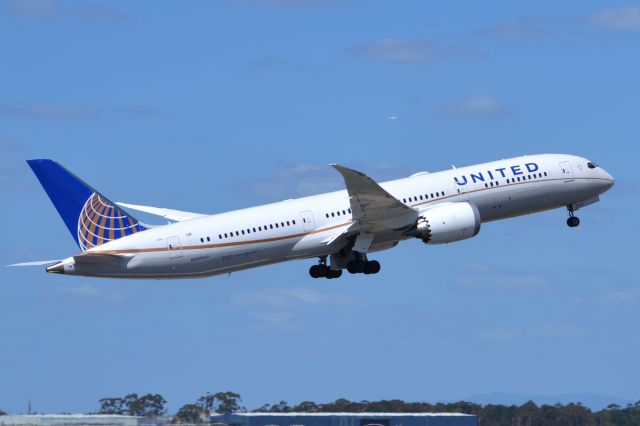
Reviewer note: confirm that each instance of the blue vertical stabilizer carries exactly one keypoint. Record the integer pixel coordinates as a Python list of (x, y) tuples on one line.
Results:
[(90, 217)]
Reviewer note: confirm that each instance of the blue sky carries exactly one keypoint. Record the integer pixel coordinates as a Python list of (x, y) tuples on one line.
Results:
[(216, 105)]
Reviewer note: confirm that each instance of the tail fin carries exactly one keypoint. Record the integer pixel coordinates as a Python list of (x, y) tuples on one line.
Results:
[(90, 217)]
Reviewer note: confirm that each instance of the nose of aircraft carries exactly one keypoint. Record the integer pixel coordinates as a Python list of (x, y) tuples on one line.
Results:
[(608, 180)]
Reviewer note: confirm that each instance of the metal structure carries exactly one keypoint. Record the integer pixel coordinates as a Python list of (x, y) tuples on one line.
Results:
[(345, 419)]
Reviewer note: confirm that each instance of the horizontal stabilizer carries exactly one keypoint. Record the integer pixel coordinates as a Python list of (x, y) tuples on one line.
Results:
[(90, 258), (36, 263), (176, 215)]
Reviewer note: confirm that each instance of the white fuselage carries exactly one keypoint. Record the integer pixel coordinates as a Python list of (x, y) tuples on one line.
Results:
[(303, 227)]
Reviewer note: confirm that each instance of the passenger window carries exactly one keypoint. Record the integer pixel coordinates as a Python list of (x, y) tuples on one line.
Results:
[(208, 239), (545, 173), (271, 226), (237, 233), (432, 195), (282, 224), (327, 214), (225, 235), (293, 221), (404, 200), (276, 225), (254, 230), (219, 236), (338, 213), (333, 214), (242, 231), (202, 240), (349, 211), (420, 197)]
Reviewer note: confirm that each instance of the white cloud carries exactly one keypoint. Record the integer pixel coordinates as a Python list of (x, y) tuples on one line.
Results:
[(481, 275), (307, 179), (47, 9), (478, 106), (628, 297), (624, 18), (408, 51), (39, 111), (523, 27), (90, 292), (34, 9), (286, 297)]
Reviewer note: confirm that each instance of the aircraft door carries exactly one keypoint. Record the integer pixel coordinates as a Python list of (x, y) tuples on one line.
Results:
[(175, 249), (308, 223), (567, 171)]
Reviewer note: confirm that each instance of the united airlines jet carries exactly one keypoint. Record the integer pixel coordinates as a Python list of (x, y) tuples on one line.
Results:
[(341, 229)]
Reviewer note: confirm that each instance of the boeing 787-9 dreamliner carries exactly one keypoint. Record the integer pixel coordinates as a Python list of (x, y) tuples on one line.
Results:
[(341, 229)]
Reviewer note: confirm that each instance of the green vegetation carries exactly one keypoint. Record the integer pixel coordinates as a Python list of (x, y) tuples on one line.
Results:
[(528, 414), (150, 405), (220, 402)]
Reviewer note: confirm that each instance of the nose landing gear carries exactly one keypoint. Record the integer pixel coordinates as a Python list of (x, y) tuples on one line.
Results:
[(572, 221)]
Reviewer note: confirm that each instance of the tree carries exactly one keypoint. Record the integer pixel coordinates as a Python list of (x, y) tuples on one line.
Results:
[(228, 402), (190, 413), (112, 406), (149, 405)]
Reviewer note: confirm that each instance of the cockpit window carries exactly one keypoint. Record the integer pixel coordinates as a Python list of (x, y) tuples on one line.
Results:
[(591, 165)]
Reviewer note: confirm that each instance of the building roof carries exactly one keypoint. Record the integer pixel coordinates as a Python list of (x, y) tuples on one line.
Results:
[(345, 414)]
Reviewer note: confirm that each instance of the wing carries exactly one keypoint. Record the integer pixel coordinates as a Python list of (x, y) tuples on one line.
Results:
[(372, 205), (177, 215)]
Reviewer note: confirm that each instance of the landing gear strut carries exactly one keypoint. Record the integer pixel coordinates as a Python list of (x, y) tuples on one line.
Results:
[(321, 270), (573, 221)]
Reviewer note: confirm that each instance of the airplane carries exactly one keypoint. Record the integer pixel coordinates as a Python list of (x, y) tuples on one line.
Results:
[(341, 229)]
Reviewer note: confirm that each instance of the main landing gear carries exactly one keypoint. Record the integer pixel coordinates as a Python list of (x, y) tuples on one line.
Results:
[(362, 266), (573, 221), (358, 265), (321, 270)]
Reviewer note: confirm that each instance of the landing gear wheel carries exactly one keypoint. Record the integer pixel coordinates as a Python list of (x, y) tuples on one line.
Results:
[(573, 221), (334, 273), (315, 272), (373, 267)]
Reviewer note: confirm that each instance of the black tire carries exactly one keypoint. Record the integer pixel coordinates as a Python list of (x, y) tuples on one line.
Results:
[(324, 270), (573, 221), (373, 267), (360, 266), (351, 267), (314, 271), (334, 273)]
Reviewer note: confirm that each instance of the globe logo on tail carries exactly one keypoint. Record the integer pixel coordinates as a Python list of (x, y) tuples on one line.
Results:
[(100, 221)]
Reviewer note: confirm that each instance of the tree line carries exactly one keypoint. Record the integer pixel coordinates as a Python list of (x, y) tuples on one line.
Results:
[(528, 414)]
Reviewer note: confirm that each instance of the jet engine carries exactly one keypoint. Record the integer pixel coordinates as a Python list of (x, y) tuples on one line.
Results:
[(446, 223)]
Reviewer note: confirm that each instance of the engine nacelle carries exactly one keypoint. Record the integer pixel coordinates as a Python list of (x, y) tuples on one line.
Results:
[(447, 223)]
